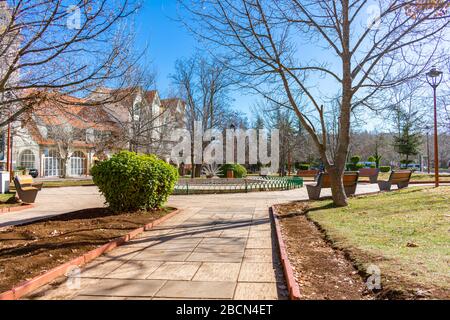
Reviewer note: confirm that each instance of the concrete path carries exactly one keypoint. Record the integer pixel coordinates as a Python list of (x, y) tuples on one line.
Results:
[(55, 201), (218, 247)]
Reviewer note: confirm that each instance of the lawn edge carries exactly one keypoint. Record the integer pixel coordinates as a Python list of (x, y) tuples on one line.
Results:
[(293, 287), (29, 286)]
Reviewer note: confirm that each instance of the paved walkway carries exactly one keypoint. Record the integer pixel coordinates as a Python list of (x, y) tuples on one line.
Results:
[(55, 201), (218, 247)]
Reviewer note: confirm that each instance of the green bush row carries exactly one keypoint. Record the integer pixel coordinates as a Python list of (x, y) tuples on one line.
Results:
[(238, 170), (131, 181)]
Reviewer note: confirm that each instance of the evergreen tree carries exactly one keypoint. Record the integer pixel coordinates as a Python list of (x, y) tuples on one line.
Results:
[(408, 142)]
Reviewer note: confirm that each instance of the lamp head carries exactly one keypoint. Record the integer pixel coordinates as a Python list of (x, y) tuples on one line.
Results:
[(434, 72), (434, 77)]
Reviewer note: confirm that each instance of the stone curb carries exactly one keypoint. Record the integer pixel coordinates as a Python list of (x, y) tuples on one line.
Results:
[(28, 286), (294, 290), (17, 208)]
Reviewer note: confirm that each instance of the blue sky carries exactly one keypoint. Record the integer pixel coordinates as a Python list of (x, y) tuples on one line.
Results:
[(168, 41)]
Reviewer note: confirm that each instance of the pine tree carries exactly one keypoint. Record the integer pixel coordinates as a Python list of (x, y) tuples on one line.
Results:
[(408, 142)]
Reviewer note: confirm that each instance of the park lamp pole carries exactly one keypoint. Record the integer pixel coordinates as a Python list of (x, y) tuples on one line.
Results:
[(434, 78)]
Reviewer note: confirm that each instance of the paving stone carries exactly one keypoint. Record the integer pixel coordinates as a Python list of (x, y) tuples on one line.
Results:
[(100, 267), (258, 255), (217, 272), (220, 248), (175, 271), (197, 289), (178, 245), (255, 291), (260, 233), (259, 243), (224, 241), (240, 232), (123, 253), (98, 298), (257, 272), (134, 270), (162, 255), (216, 256), (124, 288)]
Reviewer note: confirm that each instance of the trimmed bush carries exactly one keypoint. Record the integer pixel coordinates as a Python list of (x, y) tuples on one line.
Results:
[(371, 159), (355, 159), (131, 182), (238, 170), (304, 167), (385, 168), (354, 166)]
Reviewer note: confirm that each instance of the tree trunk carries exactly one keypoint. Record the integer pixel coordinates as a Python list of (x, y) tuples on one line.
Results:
[(64, 171), (337, 187)]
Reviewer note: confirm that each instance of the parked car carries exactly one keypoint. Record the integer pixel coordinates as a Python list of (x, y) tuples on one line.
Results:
[(412, 166), (34, 173)]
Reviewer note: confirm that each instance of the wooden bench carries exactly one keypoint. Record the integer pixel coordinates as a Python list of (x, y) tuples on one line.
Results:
[(371, 173), (308, 173), (26, 188), (350, 180), (400, 178)]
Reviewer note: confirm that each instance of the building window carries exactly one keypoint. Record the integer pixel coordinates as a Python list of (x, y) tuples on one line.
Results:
[(27, 160), (78, 164), (52, 164)]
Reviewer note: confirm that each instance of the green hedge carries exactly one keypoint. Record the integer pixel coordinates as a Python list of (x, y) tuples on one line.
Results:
[(385, 168), (238, 170), (304, 167), (131, 181), (353, 166)]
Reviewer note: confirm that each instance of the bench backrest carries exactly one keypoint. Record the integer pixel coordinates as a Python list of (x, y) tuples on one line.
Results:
[(25, 180), (307, 173), (349, 179), (368, 172), (400, 176)]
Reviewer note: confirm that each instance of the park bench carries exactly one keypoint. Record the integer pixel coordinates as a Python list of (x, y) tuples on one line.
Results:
[(400, 178), (308, 173), (26, 188), (371, 173), (350, 180)]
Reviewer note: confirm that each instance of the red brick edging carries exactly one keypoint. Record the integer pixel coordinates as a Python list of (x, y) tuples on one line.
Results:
[(294, 290), (16, 208), (43, 279)]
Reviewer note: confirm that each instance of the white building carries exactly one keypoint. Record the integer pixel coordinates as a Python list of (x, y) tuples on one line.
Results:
[(67, 139)]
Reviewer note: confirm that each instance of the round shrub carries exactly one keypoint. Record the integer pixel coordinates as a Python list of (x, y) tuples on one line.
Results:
[(385, 168), (371, 159), (131, 182), (355, 159), (238, 170)]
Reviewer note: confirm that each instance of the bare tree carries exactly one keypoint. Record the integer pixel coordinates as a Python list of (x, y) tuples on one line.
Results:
[(359, 55), (56, 45), (203, 85)]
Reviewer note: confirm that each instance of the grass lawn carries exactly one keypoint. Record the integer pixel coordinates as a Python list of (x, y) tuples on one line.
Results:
[(65, 183), (5, 197), (68, 183), (405, 233), (7, 200)]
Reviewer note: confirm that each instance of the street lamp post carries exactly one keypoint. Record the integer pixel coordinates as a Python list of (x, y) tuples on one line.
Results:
[(428, 151), (434, 78)]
